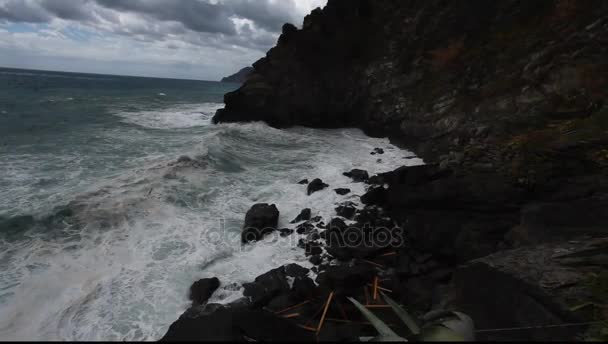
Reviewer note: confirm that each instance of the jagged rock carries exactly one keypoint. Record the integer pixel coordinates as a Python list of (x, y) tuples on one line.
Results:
[(260, 220), (347, 210), (316, 260), (316, 185), (305, 228), (295, 270), (240, 76), (358, 176), (342, 192), (303, 182), (378, 151), (285, 232), (305, 215), (225, 324), (267, 286), (345, 279), (202, 290)]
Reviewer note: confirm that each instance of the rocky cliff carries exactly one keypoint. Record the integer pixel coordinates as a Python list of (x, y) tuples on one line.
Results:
[(505, 100), (499, 85), (240, 76)]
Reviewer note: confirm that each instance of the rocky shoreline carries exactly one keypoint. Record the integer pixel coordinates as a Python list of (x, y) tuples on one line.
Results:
[(505, 101)]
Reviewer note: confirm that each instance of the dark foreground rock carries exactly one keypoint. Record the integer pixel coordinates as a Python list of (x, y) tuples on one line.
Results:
[(358, 176), (202, 290), (226, 324), (536, 286), (260, 220), (305, 215)]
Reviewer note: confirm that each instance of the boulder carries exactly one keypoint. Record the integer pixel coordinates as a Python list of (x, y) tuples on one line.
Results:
[(266, 287), (260, 220), (295, 270), (345, 279), (316, 185), (303, 182), (202, 290), (342, 191), (305, 215), (358, 176), (347, 210)]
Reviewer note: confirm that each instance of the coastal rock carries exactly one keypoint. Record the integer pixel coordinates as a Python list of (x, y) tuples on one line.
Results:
[(303, 182), (202, 290), (358, 176), (345, 279), (266, 287), (347, 210), (316, 185), (260, 220), (305, 215), (225, 324), (342, 191)]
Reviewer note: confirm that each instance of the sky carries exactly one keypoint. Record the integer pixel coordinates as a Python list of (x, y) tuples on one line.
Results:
[(191, 39)]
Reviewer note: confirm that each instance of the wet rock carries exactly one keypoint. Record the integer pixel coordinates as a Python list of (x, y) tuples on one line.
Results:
[(202, 290), (316, 260), (358, 176), (345, 279), (304, 287), (342, 192), (347, 210), (316, 185), (266, 287), (260, 220), (305, 215), (295, 270), (225, 324), (305, 228), (376, 195), (303, 182), (378, 151), (285, 232)]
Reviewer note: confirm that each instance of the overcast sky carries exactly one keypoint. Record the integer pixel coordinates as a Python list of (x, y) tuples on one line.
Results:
[(196, 39)]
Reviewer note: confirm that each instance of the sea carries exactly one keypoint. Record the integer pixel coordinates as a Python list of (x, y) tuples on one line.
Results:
[(117, 193)]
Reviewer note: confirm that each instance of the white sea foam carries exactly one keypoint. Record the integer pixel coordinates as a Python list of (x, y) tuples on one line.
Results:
[(175, 117), (123, 270)]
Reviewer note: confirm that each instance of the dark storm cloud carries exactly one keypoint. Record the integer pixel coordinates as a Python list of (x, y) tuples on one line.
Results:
[(23, 11), (198, 16)]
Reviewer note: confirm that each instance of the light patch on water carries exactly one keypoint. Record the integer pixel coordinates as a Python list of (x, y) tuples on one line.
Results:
[(175, 117), (140, 240)]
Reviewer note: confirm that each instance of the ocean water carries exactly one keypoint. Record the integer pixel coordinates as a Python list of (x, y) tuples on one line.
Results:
[(104, 224)]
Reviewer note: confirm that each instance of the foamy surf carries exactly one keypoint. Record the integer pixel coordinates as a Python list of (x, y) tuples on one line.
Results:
[(120, 267)]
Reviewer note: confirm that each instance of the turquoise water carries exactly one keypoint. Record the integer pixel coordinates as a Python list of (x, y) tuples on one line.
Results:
[(103, 228)]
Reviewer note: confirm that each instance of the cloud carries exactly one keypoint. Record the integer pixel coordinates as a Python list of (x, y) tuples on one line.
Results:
[(221, 34)]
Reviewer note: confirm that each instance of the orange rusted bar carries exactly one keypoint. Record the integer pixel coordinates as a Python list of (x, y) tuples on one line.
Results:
[(331, 296)]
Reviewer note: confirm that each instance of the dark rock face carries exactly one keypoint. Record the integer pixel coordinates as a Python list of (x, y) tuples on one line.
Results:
[(267, 286), (359, 176), (240, 76), (202, 290), (305, 215), (484, 85), (236, 325), (347, 210), (260, 220), (303, 182), (316, 185)]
